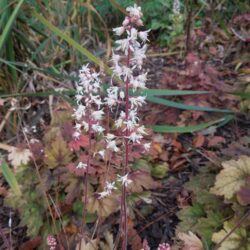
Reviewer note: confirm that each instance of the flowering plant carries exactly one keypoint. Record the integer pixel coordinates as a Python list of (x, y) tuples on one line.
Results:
[(125, 136)]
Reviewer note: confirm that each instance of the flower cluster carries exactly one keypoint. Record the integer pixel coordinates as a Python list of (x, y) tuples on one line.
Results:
[(89, 112), (127, 61), (51, 242), (133, 46)]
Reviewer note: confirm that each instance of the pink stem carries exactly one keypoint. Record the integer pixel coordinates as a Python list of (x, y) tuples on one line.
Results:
[(87, 172), (125, 168)]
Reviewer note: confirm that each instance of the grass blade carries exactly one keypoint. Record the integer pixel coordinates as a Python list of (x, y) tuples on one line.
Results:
[(167, 92), (191, 129), (178, 105), (245, 95), (9, 24), (72, 43), (10, 178)]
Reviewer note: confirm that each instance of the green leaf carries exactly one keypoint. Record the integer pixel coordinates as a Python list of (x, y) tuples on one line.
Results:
[(58, 153), (9, 24), (178, 105), (191, 129), (10, 178), (166, 92), (245, 95), (205, 227), (189, 217)]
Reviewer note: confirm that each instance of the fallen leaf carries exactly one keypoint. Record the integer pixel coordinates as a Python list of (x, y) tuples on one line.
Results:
[(141, 180), (91, 245), (109, 242), (31, 244), (199, 141), (215, 140), (18, 156), (178, 165), (191, 241)]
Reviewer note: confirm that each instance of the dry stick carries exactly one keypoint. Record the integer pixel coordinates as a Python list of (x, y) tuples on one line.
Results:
[(233, 229), (57, 210)]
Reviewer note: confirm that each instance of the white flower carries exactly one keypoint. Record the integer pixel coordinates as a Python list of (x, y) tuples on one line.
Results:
[(143, 35), (135, 138), (133, 115), (119, 122), (130, 125), (97, 115), (122, 95), (78, 98), (127, 72), (78, 126), (123, 44), (139, 82), (76, 135), (119, 31), (139, 55), (110, 136), (97, 100), (134, 11), (97, 128), (85, 125), (85, 69), (133, 34), (115, 58), (103, 194), (112, 146), (147, 146), (110, 186), (126, 21), (141, 130), (81, 165), (79, 112), (137, 101), (101, 153), (79, 90), (124, 180)]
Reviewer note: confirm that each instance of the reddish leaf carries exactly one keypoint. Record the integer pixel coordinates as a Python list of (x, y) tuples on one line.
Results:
[(178, 165), (199, 141), (141, 180), (215, 140), (31, 244), (243, 195), (76, 144)]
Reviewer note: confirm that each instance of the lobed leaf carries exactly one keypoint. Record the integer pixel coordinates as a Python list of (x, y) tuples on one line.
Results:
[(232, 177)]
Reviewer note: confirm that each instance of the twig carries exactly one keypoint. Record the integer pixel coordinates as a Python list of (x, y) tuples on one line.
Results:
[(233, 229)]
